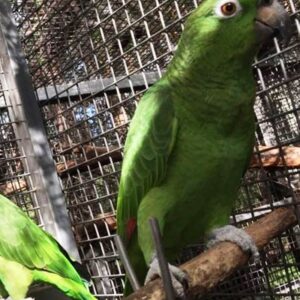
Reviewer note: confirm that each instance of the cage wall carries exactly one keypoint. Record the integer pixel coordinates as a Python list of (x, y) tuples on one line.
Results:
[(25, 153), (91, 61), (15, 178)]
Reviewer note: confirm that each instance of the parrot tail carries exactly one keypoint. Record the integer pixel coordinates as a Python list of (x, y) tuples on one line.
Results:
[(69, 287)]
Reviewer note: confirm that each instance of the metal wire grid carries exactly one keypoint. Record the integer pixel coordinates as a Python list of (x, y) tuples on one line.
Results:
[(15, 177), (91, 61)]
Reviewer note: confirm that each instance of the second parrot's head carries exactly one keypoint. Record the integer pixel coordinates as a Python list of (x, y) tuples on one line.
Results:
[(238, 26)]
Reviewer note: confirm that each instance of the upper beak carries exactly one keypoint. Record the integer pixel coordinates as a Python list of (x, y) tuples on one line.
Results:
[(272, 20)]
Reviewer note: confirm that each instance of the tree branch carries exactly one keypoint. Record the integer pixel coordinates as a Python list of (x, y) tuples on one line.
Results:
[(287, 156), (15, 186), (90, 156), (100, 220), (214, 265)]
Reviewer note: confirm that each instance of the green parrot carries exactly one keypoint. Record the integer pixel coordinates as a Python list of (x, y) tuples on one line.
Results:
[(193, 132), (29, 254)]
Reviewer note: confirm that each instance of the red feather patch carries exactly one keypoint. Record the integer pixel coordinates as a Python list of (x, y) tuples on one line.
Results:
[(130, 227)]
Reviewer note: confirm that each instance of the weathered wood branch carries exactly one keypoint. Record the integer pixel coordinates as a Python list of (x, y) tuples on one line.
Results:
[(214, 265), (91, 155), (16, 186), (288, 156), (100, 220)]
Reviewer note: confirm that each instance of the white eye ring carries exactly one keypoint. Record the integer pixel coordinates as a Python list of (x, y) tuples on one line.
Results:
[(219, 9)]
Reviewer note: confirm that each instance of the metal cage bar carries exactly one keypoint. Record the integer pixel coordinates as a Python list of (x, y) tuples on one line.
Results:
[(21, 110)]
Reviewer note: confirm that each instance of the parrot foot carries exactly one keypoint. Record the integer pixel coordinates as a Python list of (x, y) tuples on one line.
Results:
[(235, 235), (179, 278)]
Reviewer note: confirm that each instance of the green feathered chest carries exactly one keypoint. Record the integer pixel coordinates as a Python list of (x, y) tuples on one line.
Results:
[(211, 154), (216, 126)]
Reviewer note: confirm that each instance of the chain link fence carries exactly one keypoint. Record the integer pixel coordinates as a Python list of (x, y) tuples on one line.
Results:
[(91, 61)]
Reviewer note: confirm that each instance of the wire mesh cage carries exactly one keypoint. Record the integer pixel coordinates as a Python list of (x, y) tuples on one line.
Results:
[(15, 178), (91, 61)]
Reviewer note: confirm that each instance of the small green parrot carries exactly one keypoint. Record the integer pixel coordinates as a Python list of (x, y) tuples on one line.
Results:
[(29, 254), (192, 135)]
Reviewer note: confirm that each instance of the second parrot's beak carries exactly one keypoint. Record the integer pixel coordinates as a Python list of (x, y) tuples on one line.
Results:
[(272, 20)]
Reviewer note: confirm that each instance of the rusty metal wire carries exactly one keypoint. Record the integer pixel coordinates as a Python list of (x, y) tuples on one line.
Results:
[(91, 61)]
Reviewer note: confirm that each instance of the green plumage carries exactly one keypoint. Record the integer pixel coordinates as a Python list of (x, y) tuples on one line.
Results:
[(28, 254), (191, 138)]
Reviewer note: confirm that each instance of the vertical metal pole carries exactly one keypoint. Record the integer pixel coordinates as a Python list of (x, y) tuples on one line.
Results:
[(29, 129), (126, 263), (163, 264)]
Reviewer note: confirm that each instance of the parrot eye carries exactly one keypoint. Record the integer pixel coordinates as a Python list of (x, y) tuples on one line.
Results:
[(227, 9)]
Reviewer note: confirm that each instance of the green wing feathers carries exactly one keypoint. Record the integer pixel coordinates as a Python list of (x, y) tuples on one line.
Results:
[(22, 241), (148, 145), (26, 248), (69, 287)]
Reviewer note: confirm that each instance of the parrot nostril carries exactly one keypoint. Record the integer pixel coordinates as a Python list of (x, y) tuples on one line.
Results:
[(265, 2)]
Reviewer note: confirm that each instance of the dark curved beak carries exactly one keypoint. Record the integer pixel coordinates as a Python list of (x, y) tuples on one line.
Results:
[(272, 20)]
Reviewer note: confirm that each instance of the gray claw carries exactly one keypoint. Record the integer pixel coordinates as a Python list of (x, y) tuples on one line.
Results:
[(236, 235), (178, 277)]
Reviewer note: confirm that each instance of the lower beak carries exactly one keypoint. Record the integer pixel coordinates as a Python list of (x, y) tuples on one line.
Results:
[(272, 20)]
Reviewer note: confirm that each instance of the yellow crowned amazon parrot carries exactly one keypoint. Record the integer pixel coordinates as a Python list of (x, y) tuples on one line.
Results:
[(192, 135)]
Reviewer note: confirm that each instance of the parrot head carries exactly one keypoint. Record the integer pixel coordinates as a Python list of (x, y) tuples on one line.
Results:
[(231, 29)]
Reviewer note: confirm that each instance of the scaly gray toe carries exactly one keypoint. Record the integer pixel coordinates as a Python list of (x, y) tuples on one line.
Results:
[(178, 277), (236, 235)]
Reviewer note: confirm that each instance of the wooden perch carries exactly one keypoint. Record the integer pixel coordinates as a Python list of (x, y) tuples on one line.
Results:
[(90, 156), (214, 265), (89, 150), (16, 186), (288, 156), (100, 220)]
